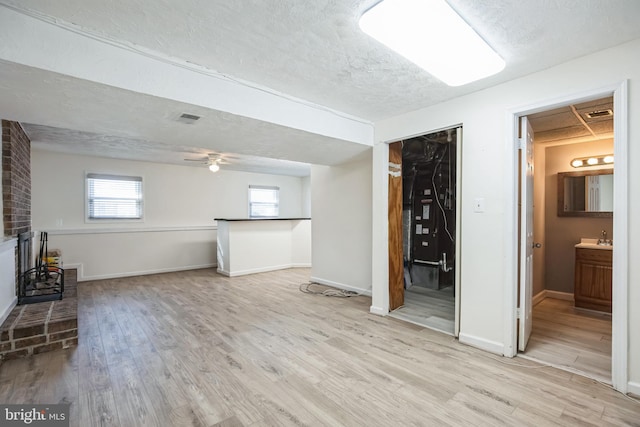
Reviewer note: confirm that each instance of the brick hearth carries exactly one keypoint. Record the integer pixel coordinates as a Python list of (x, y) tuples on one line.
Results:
[(44, 326)]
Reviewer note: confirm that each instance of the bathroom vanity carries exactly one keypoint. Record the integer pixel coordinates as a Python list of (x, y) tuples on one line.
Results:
[(593, 276)]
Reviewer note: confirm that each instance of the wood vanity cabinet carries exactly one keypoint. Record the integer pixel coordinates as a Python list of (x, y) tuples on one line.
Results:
[(593, 279)]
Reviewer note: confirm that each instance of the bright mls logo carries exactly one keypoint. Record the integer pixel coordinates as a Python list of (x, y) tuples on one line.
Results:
[(35, 415)]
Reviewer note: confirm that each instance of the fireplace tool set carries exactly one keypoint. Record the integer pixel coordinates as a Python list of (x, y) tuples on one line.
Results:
[(44, 282)]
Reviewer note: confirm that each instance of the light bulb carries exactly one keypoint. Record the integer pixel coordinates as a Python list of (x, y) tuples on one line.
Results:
[(214, 167), (576, 163), (608, 159), (592, 161)]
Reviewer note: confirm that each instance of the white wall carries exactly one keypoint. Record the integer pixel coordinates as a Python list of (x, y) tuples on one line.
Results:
[(178, 231), (248, 247), (306, 197), (7, 266), (301, 243), (341, 226), (7, 277), (486, 173)]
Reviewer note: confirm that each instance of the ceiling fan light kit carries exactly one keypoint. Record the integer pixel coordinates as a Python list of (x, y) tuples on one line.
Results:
[(213, 161)]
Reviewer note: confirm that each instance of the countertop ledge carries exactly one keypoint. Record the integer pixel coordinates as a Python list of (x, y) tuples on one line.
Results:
[(260, 219), (594, 246)]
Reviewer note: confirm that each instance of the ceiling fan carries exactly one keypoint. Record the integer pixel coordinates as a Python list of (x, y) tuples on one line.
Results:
[(212, 160)]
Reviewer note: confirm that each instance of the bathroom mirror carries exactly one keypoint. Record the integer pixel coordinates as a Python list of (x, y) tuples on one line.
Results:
[(586, 193)]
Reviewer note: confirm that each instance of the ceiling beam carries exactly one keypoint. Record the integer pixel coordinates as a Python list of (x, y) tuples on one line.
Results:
[(581, 120)]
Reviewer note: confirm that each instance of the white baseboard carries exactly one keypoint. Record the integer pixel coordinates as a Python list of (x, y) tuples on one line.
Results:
[(633, 388), (257, 270), (482, 343), (338, 285), (7, 310), (83, 278), (378, 310), (223, 272), (301, 265), (566, 296)]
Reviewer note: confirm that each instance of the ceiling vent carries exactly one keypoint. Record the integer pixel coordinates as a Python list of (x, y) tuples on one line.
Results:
[(188, 118), (599, 113)]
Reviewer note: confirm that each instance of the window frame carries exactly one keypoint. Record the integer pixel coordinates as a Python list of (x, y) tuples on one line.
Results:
[(115, 177), (264, 187)]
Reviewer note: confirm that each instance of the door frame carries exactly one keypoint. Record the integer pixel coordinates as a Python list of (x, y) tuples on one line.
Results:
[(458, 237), (526, 244), (620, 311)]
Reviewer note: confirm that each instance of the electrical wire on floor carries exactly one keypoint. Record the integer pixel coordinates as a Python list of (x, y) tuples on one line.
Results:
[(331, 292)]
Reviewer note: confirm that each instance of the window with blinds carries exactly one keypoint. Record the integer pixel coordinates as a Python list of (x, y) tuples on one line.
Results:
[(263, 201), (114, 197)]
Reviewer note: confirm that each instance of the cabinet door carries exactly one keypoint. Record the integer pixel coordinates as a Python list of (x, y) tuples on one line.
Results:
[(593, 282)]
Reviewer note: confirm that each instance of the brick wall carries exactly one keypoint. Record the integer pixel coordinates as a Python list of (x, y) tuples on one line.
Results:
[(16, 181), (45, 326)]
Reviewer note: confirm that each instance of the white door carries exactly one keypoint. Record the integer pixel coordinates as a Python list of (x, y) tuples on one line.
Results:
[(526, 233)]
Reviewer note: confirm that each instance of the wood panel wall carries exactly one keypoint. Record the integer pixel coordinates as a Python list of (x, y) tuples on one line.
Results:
[(396, 265)]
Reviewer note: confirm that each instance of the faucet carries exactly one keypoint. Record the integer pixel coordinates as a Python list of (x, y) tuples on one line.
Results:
[(603, 239)]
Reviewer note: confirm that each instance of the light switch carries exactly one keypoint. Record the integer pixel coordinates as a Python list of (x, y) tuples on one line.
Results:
[(478, 204)]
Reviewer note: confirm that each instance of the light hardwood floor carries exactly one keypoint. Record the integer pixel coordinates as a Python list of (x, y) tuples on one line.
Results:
[(574, 339), (199, 349), (432, 308)]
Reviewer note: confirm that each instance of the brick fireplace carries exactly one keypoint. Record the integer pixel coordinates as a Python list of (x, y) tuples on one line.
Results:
[(44, 326), (16, 183)]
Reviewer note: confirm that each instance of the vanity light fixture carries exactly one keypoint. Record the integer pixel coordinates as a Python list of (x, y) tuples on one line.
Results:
[(579, 162), (433, 36)]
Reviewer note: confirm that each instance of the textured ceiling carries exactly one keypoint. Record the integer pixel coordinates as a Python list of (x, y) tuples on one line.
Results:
[(314, 50), (573, 123), (93, 144)]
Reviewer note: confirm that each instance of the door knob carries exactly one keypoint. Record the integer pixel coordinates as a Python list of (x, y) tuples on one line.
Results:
[(537, 245)]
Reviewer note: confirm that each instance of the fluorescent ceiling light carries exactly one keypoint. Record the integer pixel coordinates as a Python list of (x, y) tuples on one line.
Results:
[(432, 35)]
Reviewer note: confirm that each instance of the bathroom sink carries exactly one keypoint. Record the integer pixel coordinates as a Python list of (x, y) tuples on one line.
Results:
[(588, 243)]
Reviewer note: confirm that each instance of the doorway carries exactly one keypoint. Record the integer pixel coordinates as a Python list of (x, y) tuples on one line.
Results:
[(571, 338), (424, 208)]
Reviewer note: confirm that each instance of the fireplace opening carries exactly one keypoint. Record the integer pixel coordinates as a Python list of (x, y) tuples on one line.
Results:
[(40, 283)]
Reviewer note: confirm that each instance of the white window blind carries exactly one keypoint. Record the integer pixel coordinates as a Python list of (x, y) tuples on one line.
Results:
[(114, 196), (263, 201)]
